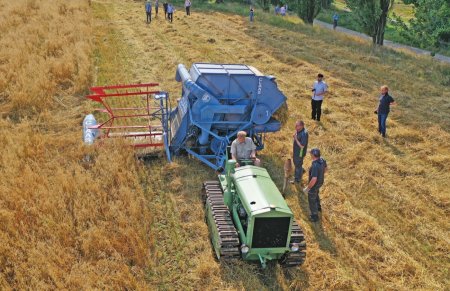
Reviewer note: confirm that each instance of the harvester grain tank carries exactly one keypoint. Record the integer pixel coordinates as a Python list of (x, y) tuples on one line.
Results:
[(217, 101)]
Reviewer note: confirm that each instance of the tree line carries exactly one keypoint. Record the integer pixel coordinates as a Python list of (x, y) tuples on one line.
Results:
[(429, 28)]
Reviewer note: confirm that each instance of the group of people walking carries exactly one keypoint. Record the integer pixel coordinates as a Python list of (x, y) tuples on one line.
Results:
[(168, 9)]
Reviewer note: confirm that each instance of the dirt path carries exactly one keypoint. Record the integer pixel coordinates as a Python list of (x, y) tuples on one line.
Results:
[(387, 43)]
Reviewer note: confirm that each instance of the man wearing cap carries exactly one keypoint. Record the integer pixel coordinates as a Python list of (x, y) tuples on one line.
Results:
[(243, 148), (299, 149), (319, 89), (316, 179)]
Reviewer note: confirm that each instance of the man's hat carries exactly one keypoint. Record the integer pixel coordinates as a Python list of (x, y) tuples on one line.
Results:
[(315, 152)]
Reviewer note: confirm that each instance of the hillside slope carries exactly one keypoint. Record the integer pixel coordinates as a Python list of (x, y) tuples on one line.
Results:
[(385, 202)]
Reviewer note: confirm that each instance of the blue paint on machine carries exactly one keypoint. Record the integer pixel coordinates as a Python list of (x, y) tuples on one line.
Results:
[(217, 101)]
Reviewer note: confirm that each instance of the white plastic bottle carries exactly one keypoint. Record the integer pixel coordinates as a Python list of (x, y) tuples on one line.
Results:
[(89, 134)]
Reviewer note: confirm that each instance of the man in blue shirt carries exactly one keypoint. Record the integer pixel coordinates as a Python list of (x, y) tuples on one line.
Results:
[(316, 180), (383, 109), (299, 149), (335, 20), (148, 10), (170, 12)]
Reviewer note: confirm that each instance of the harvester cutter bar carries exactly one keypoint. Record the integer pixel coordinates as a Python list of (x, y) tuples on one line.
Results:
[(142, 114)]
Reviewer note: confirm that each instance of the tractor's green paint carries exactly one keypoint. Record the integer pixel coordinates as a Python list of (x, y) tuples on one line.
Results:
[(250, 188)]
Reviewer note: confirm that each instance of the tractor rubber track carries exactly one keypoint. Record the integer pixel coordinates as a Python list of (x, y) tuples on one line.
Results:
[(293, 259), (228, 236)]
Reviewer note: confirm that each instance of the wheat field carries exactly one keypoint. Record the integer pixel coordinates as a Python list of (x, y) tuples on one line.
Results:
[(113, 222)]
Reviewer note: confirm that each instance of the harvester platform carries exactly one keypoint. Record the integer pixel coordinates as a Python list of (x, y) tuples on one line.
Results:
[(136, 112)]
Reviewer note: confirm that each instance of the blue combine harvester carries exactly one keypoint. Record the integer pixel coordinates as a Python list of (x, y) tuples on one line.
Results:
[(218, 100), (246, 214)]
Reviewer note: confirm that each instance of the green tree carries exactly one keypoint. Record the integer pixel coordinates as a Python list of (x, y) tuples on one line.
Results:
[(431, 25), (307, 10), (371, 16), (326, 4)]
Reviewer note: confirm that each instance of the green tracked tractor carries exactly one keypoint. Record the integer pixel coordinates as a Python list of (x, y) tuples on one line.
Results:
[(248, 217)]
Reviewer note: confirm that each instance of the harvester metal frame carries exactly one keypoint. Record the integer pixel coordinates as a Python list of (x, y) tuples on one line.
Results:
[(155, 135)]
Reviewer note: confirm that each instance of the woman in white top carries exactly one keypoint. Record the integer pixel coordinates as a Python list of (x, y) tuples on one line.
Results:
[(187, 5)]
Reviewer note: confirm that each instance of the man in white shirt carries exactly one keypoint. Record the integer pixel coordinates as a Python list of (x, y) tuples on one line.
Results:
[(187, 5), (319, 90), (243, 148)]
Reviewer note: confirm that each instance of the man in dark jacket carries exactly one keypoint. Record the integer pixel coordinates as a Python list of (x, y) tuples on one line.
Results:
[(299, 149), (316, 179), (383, 109), (165, 5)]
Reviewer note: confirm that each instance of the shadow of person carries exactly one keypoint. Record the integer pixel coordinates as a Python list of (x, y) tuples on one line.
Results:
[(324, 241), (393, 148)]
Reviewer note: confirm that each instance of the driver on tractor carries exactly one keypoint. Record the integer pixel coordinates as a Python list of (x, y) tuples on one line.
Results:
[(243, 150)]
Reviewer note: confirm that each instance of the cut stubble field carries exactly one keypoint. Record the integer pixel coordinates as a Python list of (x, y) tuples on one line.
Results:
[(385, 220)]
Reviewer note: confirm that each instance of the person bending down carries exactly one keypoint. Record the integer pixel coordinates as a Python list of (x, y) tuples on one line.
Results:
[(243, 148)]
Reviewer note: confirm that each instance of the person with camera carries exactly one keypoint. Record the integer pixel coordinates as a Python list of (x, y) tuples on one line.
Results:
[(383, 109), (316, 180), (319, 89), (243, 148)]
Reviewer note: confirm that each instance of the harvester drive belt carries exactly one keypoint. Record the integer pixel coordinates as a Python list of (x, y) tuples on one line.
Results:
[(228, 236)]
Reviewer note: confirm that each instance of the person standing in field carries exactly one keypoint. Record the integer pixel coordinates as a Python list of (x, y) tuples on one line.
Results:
[(335, 20), (283, 10), (319, 89), (316, 180), (148, 11), (277, 9), (187, 5), (252, 14), (383, 109), (170, 12), (156, 7), (299, 150), (165, 5)]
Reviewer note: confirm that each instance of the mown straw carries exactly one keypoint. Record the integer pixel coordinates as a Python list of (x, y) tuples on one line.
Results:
[(112, 222)]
